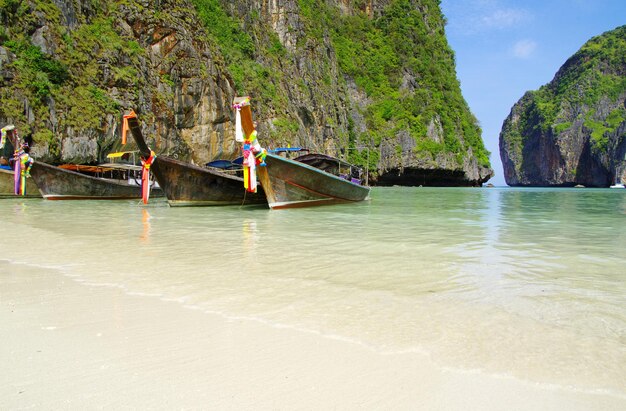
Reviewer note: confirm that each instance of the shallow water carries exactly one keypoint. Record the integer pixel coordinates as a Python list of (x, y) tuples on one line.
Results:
[(523, 283)]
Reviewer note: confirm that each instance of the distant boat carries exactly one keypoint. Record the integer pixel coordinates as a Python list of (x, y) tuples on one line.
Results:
[(186, 184), (7, 185), (305, 181), (57, 183)]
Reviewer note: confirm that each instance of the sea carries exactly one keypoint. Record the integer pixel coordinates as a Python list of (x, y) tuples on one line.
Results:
[(514, 282)]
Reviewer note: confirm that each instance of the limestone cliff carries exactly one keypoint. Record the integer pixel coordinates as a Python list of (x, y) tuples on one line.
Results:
[(572, 130), (373, 81)]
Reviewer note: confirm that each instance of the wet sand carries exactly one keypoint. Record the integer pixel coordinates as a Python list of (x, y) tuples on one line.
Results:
[(71, 345)]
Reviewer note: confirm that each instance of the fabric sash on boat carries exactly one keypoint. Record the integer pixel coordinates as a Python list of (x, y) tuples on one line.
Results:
[(253, 153)]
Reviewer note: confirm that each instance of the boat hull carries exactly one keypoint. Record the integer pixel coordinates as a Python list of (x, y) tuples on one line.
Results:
[(59, 184), (185, 184), (7, 186), (289, 184)]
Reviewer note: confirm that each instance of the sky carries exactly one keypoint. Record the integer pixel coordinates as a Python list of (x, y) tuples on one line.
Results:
[(504, 48)]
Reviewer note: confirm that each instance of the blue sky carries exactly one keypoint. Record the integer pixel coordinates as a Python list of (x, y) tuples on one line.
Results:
[(504, 48)]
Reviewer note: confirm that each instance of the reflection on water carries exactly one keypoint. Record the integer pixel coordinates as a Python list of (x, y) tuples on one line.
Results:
[(520, 282), (145, 220)]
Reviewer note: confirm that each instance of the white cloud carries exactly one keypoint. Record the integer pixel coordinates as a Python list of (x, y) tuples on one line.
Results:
[(523, 49), (479, 16), (504, 18)]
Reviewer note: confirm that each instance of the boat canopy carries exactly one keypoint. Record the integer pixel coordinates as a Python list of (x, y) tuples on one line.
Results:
[(100, 168), (120, 166), (222, 164), (83, 168), (317, 160), (226, 164), (333, 165), (122, 160), (287, 150), (120, 154)]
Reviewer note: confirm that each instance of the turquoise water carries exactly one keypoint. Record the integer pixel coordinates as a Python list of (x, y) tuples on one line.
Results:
[(523, 283)]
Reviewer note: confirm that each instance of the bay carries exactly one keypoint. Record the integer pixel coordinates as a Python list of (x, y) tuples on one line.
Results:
[(521, 283)]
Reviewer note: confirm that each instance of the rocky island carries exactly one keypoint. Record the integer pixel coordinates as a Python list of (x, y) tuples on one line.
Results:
[(372, 81), (572, 131)]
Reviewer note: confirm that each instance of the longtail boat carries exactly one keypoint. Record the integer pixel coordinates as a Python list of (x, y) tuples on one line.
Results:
[(186, 184), (290, 183), (294, 183), (57, 183)]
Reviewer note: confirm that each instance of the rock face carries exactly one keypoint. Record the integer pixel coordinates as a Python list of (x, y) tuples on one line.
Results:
[(572, 131), (322, 75)]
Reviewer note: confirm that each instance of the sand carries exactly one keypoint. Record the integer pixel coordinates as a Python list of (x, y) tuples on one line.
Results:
[(71, 345)]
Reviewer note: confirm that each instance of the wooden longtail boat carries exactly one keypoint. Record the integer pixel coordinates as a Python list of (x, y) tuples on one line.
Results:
[(186, 184), (291, 183), (56, 183), (7, 185)]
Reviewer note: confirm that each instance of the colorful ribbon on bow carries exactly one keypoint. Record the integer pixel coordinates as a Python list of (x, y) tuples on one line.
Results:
[(253, 155), (145, 176), (23, 164)]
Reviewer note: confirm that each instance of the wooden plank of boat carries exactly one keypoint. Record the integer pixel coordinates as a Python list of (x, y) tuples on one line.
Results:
[(7, 186), (186, 184), (56, 183), (288, 183)]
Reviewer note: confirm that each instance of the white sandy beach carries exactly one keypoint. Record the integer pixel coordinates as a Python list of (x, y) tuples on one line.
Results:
[(70, 345)]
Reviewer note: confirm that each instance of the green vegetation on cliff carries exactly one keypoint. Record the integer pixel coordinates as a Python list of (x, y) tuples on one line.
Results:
[(239, 50), (597, 71), (73, 81), (405, 44), (376, 74), (571, 130)]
